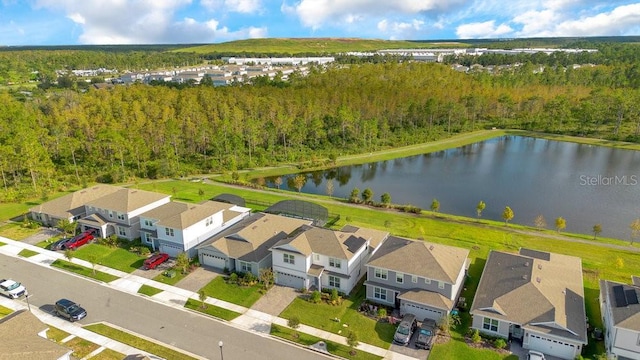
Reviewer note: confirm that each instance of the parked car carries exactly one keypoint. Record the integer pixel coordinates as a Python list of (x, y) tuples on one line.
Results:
[(535, 355), (405, 329), (426, 334), (59, 245), (12, 289), (155, 260), (69, 310), (78, 241)]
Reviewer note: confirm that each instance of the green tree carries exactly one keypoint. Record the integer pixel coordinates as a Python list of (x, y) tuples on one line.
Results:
[(329, 187), (352, 341), (435, 205), (475, 337), (540, 222), (353, 197), (635, 229), (367, 195), (182, 262), (480, 207), (561, 223), (202, 295), (507, 214), (266, 277), (597, 229), (68, 227), (69, 255), (299, 182), (294, 323), (278, 182), (385, 199), (93, 260)]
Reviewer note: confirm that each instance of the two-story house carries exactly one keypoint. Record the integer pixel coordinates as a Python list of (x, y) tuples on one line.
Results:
[(70, 207), (533, 297), (417, 277), (177, 227), (620, 311), (244, 247), (313, 257)]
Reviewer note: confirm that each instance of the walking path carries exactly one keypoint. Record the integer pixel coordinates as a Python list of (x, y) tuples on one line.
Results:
[(250, 320)]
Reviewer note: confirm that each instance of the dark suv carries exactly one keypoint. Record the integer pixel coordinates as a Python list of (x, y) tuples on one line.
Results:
[(426, 334), (69, 310)]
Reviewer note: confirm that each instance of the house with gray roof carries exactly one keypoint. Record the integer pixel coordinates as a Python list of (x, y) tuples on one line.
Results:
[(417, 277), (24, 337), (244, 247), (620, 310), (177, 227), (533, 297), (314, 257)]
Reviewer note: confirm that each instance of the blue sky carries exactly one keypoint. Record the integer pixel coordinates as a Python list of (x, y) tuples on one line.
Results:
[(77, 22)]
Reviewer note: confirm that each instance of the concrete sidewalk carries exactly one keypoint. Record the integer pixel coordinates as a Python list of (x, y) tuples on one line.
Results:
[(250, 320)]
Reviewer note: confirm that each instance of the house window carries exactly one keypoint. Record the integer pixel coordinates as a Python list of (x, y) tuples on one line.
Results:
[(414, 279), (122, 231), (440, 285), (336, 263), (289, 259), (381, 274), (148, 223), (120, 216), (334, 281), (427, 281), (209, 221), (399, 278), (316, 257), (245, 266), (490, 324), (168, 231), (111, 214), (380, 293)]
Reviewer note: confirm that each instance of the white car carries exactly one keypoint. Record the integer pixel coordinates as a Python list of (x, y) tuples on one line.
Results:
[(535, 355), (12, 289)]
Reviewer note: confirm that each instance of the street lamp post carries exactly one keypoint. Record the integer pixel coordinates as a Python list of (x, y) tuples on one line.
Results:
[(220, 345), (26, 296)]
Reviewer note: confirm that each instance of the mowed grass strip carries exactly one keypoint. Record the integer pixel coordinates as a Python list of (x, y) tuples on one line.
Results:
[(148, 290), (27, 253), (81, 347), (4, 311), (56, 334), (307, 340), (215, 311), (84, 271), (115, 258), (108, 354), (137, 342), (236, 294)]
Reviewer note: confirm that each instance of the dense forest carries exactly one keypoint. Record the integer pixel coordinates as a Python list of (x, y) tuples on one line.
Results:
[(63, 137)]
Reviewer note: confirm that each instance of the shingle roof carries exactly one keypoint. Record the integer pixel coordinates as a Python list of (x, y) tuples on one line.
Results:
[(179, 215), (427, 297), (20, 340), (428, 260), (628, 316), (332, 243), (541, 291), (126, 200), (64, 205)]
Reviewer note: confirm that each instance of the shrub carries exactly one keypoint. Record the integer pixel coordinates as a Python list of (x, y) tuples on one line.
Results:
[(476, 337), (382, 313), (499, 343), (335, 297), (233, 278), (144, 251), (315, 297), (294, 322)]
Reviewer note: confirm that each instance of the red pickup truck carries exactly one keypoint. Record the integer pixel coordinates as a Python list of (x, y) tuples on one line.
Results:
[(78, 240), (155, 260)]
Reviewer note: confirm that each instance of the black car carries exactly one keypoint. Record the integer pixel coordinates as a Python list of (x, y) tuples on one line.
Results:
[(59, 245), (69, 310), (426, 334)]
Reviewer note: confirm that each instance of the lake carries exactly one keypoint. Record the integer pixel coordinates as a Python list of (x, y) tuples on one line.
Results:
[(584, 184)]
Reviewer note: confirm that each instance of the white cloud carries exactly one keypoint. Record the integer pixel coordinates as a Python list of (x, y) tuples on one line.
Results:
[(487, 29), (400, 29), (316, 13), (239, 6), (144, 22)]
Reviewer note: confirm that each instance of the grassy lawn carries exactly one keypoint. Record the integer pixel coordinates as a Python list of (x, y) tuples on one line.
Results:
[(235, 294), (321, 316), (215, 311), (84, 271), (81, 347), (148, 290), (5, 311), (108, 354), (115, 258), (137, 342), (27, 253), (306, 339), (16, 231), (56, 334), (170, 281)]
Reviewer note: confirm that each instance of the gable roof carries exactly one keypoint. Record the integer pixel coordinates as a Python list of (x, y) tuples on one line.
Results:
[(126, 200), (420, 258), (250, 239), (20, 340), (64, 206), (627, 314), (333, 243), (538, 290)]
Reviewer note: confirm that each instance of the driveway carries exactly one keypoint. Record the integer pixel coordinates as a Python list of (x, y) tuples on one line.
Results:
[(410, 349), (275, 300), (42, 235), (150, 274), (197, 279)]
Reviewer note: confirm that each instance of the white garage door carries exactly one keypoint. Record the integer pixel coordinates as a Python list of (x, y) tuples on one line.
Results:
[(421, 312), (289, 280), (173, 251), (552, 347), (214, 261)]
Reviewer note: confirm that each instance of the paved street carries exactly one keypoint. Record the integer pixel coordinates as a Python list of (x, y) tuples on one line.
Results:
[(170, 325)]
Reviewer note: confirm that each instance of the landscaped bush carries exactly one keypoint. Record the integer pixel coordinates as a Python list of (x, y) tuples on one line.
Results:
[(335, 298), (315, 297), (500, 343), (475, 337)]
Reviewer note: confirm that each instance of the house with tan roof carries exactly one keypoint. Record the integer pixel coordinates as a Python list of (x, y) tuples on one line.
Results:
[(533, 297), (71, 206), (119, 212), (244, 247), (620, 311), (24, 337), (314, 257), (176, 227), (417, 277)]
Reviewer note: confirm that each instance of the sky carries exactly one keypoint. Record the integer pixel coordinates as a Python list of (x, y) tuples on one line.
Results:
[(84, 22)]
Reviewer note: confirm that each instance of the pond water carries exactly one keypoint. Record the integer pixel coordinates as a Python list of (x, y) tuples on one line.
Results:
[(584, 184)]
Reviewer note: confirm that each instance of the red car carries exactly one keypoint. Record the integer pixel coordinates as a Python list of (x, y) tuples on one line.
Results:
[(78, 240), (155, 260)]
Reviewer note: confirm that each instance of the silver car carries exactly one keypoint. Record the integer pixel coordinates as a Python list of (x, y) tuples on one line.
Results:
[(405, 329)]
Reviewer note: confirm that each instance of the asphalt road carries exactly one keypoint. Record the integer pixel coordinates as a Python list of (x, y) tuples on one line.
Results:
[(185, 330)]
